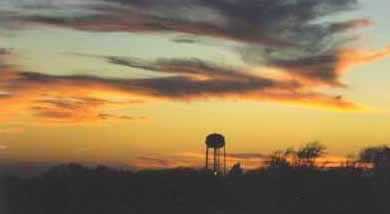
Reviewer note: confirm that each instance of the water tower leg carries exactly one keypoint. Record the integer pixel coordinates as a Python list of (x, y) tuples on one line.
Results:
[(217, 168), (207, 158), (224, 160), (215, 159), (219, 160)]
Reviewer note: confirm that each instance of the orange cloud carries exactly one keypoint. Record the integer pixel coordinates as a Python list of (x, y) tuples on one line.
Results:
[(3, 147), (155, 161), (62, 101), (354, 57), (11, 130), (309, 99)]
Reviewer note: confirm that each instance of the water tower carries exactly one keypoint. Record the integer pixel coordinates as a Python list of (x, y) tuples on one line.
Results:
[(216, 142)]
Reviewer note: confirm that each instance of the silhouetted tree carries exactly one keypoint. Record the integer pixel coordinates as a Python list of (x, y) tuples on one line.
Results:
[(308, 153), (279, 159), (236, 170), (379, 155)]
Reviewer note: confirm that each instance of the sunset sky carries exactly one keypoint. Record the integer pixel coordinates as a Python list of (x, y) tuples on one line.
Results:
[(141, 83)]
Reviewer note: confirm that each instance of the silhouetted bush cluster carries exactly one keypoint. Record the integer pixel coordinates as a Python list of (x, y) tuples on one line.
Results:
[(74, 189)]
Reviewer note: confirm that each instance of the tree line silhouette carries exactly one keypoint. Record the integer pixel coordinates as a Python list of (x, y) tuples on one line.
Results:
[(291, 183)]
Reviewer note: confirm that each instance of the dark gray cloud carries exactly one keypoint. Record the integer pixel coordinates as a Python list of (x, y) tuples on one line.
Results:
[(178, 86), (184, 40), (278, 22), (220, 80), (11, 21), (188, 79), (320, 68), (288, 34), (5, 51), (192, 66), (5, 96), (52, 113), (74, 103)]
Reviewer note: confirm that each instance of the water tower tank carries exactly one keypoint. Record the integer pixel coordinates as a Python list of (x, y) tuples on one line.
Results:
[(216, 142)]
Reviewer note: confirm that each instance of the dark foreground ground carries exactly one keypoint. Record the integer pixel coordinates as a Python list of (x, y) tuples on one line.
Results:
[(73, 189)]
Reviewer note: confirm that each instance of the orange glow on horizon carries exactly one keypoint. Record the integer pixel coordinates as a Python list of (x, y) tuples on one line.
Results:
[(196, 160)]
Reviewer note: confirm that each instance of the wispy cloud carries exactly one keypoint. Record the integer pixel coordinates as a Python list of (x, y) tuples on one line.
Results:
[(4, 54), (290, 35), (65, 99), (3, 147), (256, 21), (5, 51), (206, 79), (11, 130)]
